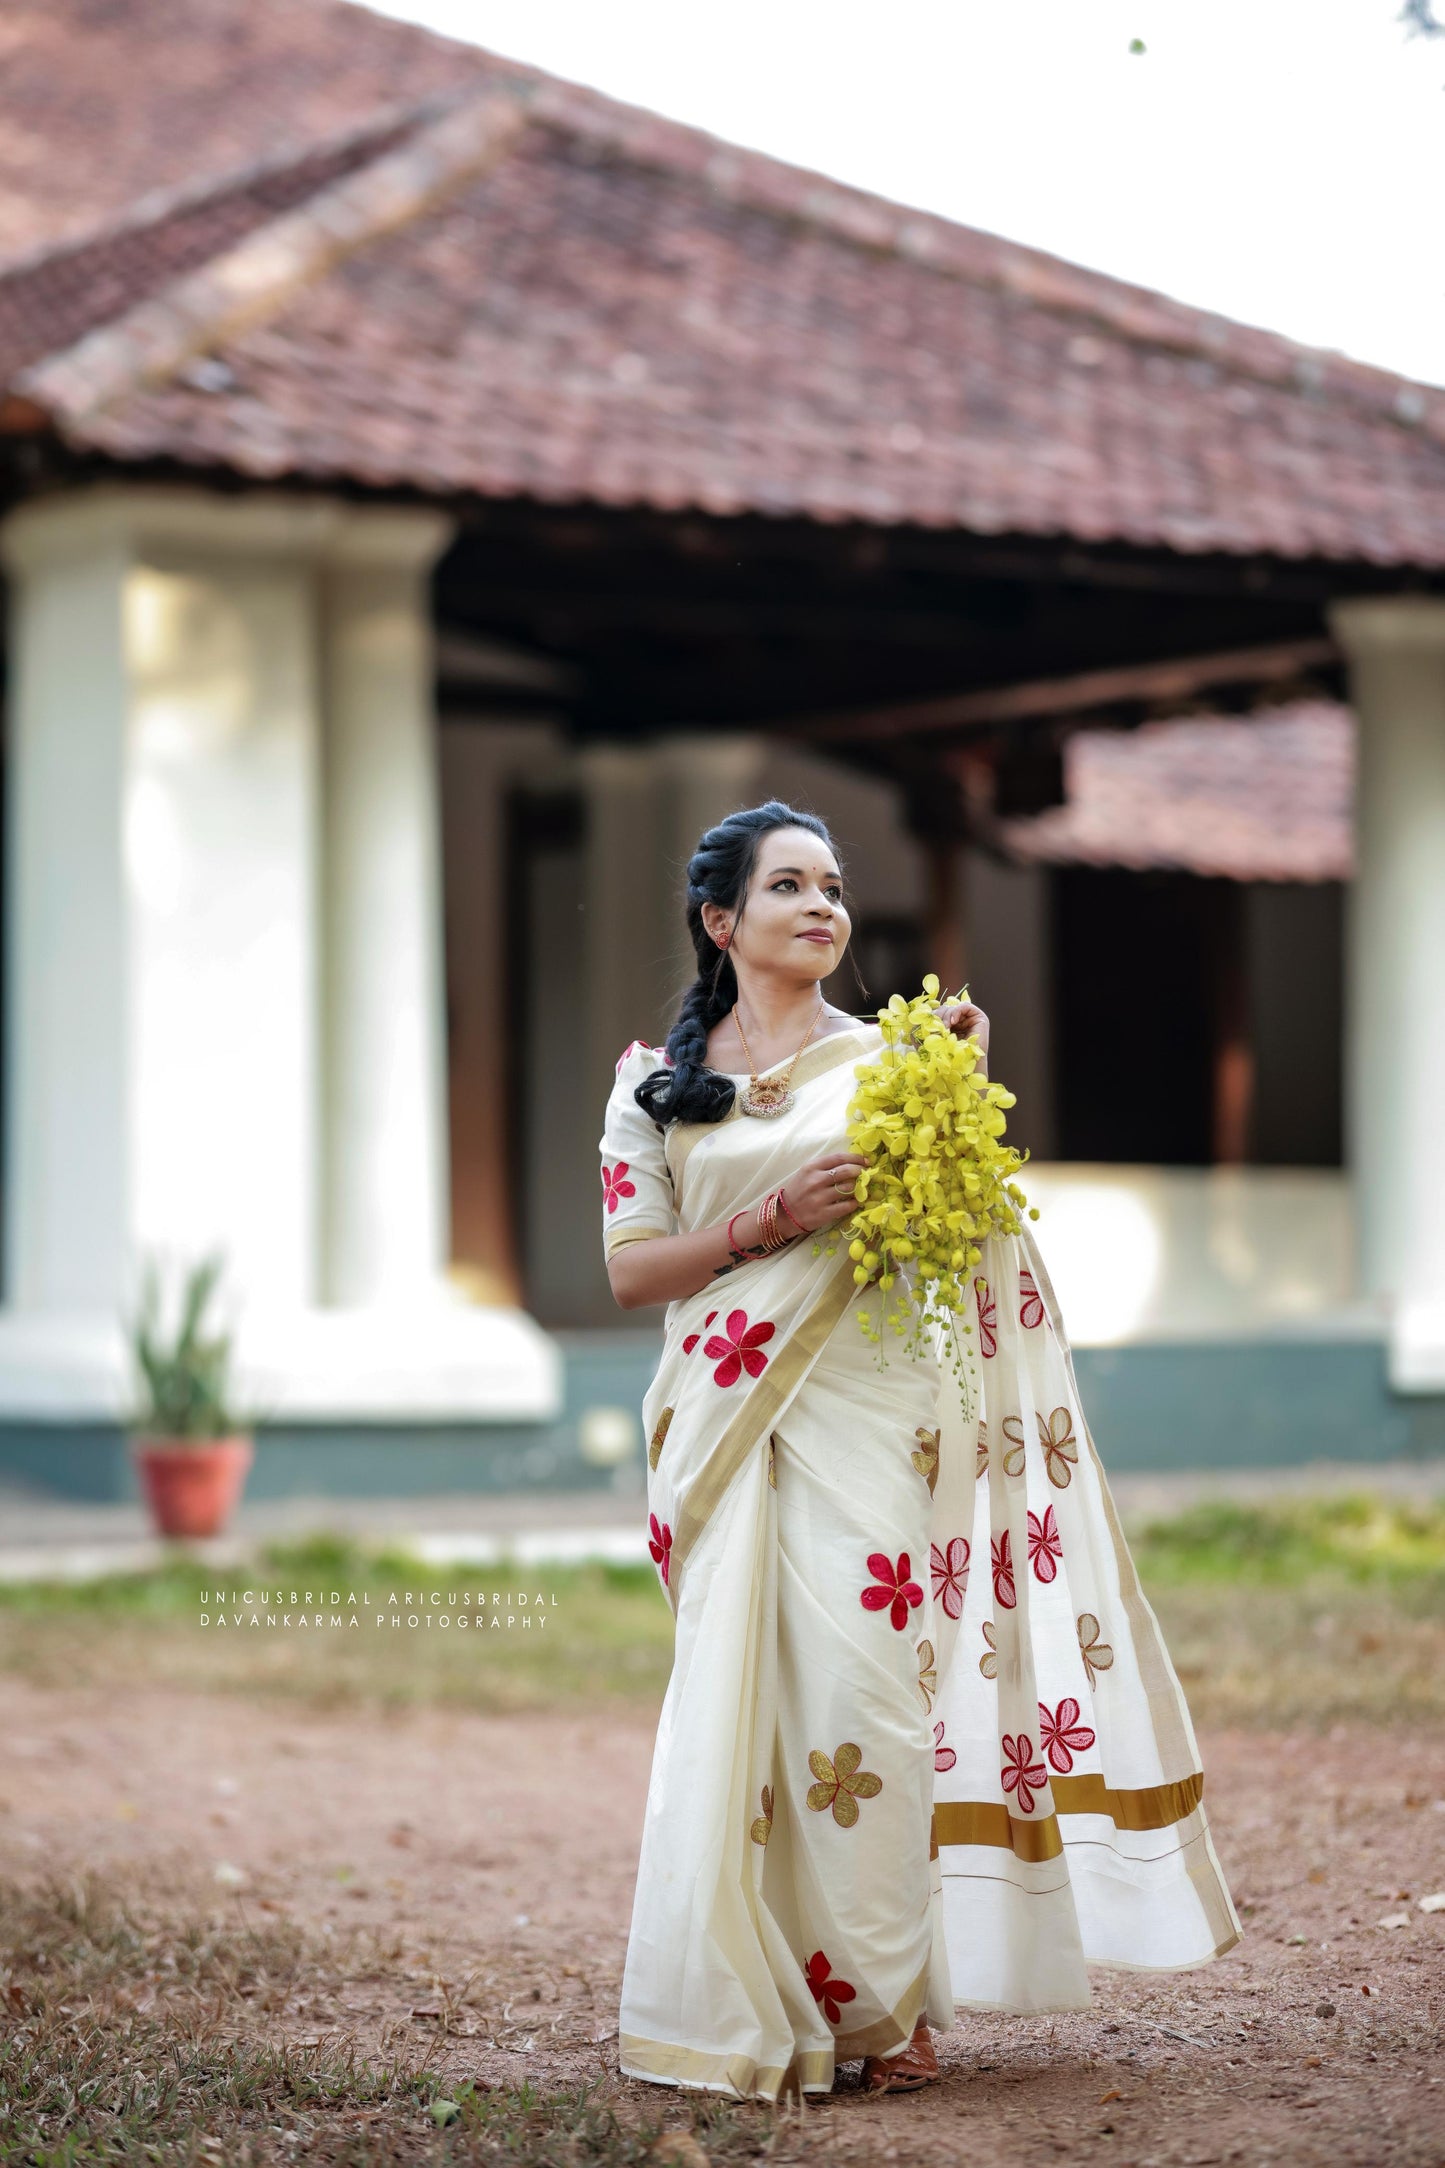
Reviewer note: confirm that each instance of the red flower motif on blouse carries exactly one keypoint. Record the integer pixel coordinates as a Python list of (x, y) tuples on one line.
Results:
[(693, 1337), (1021, 1774), (631, 1048), (1062, 1735), (1045, 1548), (987, 1316), (950, 1574), (615, 1184), (895, 1587), (826, 1990), (742, 1350), (1003, 1570), (943, 1756), (1031, 1302), (660, 1544)]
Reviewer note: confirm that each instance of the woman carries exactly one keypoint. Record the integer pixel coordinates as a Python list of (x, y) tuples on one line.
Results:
[(922, 1748)]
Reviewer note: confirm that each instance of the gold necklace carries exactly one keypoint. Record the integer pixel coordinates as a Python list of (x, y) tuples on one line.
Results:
[(770, 1095)]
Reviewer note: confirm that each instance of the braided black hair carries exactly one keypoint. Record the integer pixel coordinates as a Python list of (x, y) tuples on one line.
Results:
[(718, 871)]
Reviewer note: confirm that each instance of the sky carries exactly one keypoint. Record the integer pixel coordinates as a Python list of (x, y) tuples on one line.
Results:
[(1279, 161)]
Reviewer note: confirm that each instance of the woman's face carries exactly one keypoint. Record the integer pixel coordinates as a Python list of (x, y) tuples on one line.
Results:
[(794, 899)]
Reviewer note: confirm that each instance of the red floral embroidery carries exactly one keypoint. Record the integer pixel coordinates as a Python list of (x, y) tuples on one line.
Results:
[(1031, 1302), (943, 1756), (1045, 1549), (1062, 1735), (1003, 1570), (950, 1574), (693, 1337), (987, 1316), (615, 1184), (660, 1544), (826, 1990), (1021, 1774), (895, 1587), (742, 1350)]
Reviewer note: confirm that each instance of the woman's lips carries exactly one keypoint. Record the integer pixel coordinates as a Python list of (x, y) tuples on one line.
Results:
[(820, 937)]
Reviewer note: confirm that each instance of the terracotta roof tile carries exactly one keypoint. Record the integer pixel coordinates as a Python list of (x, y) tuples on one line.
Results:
[(631, 312), (1270, 798)]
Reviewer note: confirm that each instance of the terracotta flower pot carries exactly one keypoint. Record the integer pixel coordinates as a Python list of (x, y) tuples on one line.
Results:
[(192, 1488)]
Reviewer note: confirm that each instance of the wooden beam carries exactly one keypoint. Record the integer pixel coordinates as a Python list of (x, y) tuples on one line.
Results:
[(1182, 678)]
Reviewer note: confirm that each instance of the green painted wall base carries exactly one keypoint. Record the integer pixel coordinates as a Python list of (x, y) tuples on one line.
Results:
[(1249, 1404)]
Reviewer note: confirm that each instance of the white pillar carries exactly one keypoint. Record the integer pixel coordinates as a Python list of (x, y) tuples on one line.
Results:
[(225, 1009), (703, 780), (161, 918), (386, 1212), (1395, 979), (67, 1189), (624, 933)]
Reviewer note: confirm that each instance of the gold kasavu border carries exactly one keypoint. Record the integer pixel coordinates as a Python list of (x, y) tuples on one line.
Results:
[(669, 2062), (980, 1821)]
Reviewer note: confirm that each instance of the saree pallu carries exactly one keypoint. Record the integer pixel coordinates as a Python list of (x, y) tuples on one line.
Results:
[(922, 1748)]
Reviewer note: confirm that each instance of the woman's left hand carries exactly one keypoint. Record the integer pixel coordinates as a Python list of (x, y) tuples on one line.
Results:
[(966, 1020)]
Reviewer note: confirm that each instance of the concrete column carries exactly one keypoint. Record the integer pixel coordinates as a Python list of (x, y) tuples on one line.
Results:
[(161, 916), (1395, 942), (625, 934), (67, 1086), (702, 780), (480, 759), (225, 1012), (385, 1211)]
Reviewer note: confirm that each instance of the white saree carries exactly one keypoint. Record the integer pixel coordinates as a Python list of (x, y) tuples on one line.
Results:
[(922, 1748)]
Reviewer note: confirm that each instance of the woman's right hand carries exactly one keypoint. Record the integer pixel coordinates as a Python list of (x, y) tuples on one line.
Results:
[(818, 1195)]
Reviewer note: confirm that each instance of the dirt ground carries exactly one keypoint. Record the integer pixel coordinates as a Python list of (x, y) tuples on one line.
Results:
[(497, 1854)]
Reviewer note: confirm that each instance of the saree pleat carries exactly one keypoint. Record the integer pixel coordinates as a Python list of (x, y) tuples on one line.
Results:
[(922, 1748)]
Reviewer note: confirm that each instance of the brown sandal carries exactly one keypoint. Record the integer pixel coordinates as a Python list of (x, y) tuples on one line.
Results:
[(907, 2072)]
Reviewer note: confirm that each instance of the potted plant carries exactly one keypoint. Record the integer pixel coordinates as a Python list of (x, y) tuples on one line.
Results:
[(190, 1447)]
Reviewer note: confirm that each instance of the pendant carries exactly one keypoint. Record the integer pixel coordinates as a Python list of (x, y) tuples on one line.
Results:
[(766, 1095)]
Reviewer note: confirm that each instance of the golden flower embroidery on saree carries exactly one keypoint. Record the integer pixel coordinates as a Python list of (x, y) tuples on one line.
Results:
[(1060, 1446), (988, 1662), (655, 1443), (981, 1464), (927, 1673), (841, 1783), (925, 1460), (1013, 1430), (1097, 1654), (762, 1827)]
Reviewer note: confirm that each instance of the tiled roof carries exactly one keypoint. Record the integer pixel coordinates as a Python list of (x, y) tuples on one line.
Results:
[(113, 105), (629, 312), (1270, 798)]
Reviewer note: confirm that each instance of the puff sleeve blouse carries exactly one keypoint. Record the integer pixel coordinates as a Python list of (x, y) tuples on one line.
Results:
[(637, 1193)]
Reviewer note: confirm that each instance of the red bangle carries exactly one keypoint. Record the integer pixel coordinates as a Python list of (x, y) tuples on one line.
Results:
[(732, 1246), (783, 1205)]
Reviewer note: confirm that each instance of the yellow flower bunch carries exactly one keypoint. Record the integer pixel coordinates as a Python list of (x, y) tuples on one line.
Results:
[(939, 1177)]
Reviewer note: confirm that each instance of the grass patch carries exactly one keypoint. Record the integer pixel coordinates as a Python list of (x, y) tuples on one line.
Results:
[(1365, 1540), (586, 1633), (134, 2031), (1307, 1611)]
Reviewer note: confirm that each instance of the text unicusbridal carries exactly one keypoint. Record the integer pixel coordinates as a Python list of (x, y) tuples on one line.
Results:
[(475, 1610)]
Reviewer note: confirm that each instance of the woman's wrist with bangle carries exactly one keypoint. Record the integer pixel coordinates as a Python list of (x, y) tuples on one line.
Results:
[(771, 1219)]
